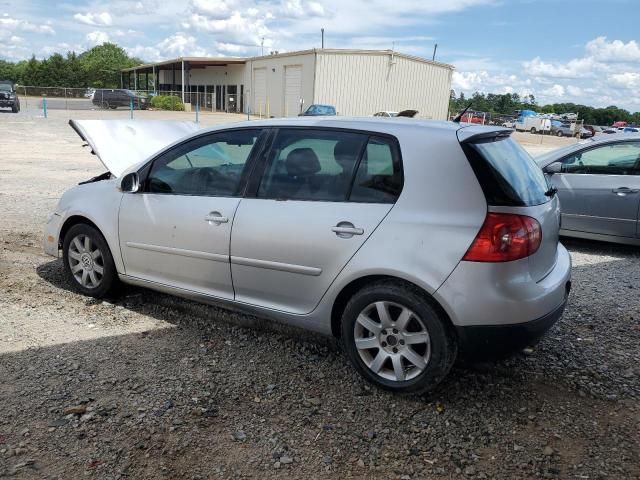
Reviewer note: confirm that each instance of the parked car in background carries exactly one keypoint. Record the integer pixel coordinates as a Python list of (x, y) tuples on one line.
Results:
[(631, 130), (333, 226), (509, 123), (598, 184), (386, 114), (562, 130), (89, 93), (114, 98), (318, 110), (8, 96)]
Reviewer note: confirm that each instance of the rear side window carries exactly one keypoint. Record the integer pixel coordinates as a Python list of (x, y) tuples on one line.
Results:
[(332, 166), (379, 176), (507, 174)]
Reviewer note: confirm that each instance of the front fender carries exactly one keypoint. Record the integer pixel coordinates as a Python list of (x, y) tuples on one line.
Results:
[(97, 202)]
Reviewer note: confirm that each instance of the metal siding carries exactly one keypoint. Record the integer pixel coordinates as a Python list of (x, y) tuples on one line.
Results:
[(259, 90), (274, 67), (363, 84), (292, 89)]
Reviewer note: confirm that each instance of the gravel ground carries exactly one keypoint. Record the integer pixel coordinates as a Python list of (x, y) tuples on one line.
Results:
[(150, 386)]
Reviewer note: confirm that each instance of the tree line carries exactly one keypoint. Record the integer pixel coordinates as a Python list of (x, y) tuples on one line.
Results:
[(98, 67), (509, 103)]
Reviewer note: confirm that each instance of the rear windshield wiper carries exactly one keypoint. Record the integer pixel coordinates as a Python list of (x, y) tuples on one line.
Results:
[(551, 192)]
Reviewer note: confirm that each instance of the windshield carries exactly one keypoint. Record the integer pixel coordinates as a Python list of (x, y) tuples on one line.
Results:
[(321, 110), (6, 87), (508, 175)]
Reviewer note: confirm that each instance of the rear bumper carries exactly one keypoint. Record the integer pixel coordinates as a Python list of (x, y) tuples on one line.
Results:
[(493, 341)]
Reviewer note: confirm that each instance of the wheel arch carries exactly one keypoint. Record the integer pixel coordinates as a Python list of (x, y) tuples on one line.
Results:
[(351, 288), (75, 220)]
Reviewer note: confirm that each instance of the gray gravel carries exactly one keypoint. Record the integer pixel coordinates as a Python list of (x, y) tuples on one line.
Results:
[(150, 386)]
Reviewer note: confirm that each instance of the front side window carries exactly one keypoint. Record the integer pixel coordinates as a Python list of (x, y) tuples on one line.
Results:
[(208, 166), (615, 159), (311, 165)]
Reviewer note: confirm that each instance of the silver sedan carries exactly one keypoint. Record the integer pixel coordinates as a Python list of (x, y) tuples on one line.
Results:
[(598, 183)]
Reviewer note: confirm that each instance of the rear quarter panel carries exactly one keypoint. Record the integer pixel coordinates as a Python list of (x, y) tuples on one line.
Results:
[(433, 223)]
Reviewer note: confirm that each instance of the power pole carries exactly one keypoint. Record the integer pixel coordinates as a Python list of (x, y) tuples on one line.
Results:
[(322, 34), (435, 49), (262, 47)]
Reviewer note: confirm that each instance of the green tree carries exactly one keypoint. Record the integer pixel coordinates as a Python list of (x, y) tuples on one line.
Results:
[(102, 65)]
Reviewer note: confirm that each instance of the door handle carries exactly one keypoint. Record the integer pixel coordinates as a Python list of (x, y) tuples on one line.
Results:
[(346, 230), (624, 190), (216, 217)]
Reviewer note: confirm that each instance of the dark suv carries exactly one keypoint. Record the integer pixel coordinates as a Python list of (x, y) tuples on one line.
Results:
[(8, 96), (114, 98)]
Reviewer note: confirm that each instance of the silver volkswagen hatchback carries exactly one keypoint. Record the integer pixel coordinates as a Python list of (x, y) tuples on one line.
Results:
[(412, 242)]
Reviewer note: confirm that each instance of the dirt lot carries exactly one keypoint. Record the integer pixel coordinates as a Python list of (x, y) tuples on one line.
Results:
[(150, 386)]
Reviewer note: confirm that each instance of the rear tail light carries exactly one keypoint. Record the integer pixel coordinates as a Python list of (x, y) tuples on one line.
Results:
[(505, 237)]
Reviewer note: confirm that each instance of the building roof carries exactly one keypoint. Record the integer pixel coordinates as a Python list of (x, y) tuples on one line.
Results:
[(222, 61)]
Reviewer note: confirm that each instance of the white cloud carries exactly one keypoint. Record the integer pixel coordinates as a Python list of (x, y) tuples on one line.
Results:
[(97, 19), (628, 80), (97, 38), (615, 51), (10, 24), (181, 45), (576, 68)]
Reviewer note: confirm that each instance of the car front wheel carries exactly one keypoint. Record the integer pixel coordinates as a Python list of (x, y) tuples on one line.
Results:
[(396, 339), (88, 263)]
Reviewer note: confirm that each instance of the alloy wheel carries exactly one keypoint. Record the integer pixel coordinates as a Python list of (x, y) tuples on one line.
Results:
[(392, 341), (86, 261)]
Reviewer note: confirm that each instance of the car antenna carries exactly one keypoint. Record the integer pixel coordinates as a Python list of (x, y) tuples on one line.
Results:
[(461, 114)]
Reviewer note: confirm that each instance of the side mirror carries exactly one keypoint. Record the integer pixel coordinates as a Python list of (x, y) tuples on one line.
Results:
[(130, 183), (555, 167)]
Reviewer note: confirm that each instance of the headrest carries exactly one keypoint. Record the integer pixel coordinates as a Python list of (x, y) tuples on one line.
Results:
[(302, 162), (346, 152)]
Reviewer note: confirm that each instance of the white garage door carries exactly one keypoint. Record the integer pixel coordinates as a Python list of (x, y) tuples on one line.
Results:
[(292, 90), (260, 91)]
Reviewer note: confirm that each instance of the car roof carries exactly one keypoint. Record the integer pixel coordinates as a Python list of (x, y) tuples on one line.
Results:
[(397, 125)]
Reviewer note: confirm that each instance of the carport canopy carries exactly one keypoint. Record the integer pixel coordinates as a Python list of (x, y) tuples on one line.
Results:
[(178, 66)]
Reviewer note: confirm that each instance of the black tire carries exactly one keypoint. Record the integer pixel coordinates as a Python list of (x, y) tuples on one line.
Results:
[(15, 108), (443, 341), (109, 281), (533, 130), (560, 134), (113, 107), (105, 105)]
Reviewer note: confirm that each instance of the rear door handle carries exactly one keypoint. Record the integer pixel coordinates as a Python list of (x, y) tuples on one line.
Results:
[(624, 190), (216, 217), (346, 230)]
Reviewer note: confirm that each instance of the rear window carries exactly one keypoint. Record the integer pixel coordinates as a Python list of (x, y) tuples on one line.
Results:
[(508, 175)]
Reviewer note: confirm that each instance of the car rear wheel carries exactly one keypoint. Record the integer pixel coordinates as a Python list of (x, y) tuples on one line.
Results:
[(559, 134), (396, 339), (88, 263), (533, 130)]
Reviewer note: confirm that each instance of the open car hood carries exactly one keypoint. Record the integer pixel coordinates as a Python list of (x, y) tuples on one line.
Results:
[(120, 144)]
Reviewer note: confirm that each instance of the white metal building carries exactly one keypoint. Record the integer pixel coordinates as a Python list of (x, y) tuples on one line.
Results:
[(356, 82)]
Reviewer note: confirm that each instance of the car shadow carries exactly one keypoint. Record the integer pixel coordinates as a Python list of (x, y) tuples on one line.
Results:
[(570, 343)]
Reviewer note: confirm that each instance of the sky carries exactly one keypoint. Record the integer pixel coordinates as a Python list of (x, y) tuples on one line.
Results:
[(585, 51)]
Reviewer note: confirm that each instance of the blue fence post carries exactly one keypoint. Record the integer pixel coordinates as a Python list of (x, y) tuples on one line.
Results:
[(197, 112), (131, 108), (44, 106)]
